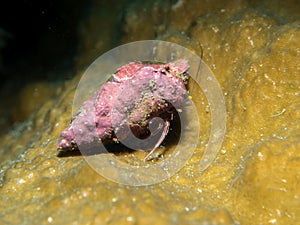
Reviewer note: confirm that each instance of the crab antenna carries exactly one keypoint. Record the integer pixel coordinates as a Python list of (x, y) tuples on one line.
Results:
[(198, 70)]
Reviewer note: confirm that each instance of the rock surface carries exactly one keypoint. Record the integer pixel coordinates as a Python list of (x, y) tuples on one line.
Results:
[(255, 177)]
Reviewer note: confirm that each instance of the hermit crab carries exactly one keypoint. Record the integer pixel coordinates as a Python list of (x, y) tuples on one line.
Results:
[(128, 105)]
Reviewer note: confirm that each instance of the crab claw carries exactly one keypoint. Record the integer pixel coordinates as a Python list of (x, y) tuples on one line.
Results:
[(160, 140)]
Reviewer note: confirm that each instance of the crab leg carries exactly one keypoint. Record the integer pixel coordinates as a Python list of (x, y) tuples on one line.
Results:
[(162, 137)]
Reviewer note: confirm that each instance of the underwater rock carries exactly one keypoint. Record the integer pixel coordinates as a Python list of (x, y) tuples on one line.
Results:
[(255, 177)]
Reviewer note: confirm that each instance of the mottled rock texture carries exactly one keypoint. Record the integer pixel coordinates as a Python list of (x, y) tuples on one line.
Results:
[(253, 52)]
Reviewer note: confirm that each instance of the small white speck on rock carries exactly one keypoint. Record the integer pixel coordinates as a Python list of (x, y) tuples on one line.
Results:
[(50, 219), (130, 219)]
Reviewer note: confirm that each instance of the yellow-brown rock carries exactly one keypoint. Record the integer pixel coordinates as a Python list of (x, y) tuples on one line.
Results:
[(255, 178)]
